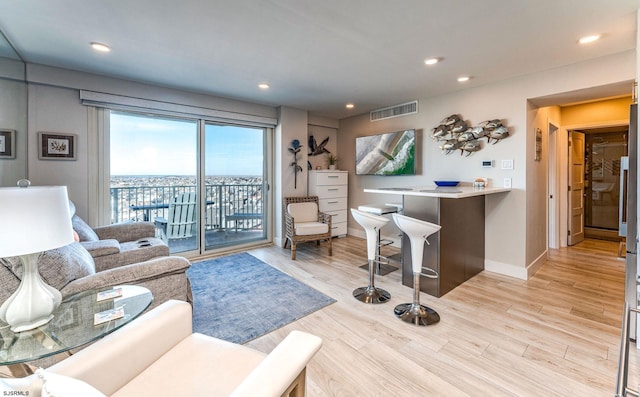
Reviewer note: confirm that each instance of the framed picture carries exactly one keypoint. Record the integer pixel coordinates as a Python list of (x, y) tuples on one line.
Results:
[(7, 144), (538, 145), (56, 146)]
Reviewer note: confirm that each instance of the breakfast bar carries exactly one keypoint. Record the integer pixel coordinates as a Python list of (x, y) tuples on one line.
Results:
[(457, 251)]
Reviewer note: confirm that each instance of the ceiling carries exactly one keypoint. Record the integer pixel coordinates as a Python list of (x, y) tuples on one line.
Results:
[(317, 55)]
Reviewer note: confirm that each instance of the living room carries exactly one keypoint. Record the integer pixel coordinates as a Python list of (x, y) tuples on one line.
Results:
[(516, 223)]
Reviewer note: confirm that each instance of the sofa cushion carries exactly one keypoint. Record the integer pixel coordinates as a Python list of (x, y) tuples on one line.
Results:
[(309, 228), (61, 266), (228, 362), (303, 212), (85, 231)]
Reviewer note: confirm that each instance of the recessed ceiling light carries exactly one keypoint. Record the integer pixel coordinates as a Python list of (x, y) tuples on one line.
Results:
[(431, 61), (263, 86), (462, 79), (350, 105), (589, 39), (100, 47)]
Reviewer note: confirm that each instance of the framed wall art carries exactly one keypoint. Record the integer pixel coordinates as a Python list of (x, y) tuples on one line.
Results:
[(56, 146), (538, 145), (7, 144)]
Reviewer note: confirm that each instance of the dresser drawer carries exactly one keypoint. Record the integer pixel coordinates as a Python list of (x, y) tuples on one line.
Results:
[(337, 216), (330, 191), (339, 229), (332, 204), (331, 178)]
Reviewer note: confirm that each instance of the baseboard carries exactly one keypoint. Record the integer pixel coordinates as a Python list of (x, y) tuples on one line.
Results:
[(506, 269)]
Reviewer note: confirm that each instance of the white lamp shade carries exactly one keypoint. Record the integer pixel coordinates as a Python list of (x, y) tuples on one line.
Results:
[(34, 219)]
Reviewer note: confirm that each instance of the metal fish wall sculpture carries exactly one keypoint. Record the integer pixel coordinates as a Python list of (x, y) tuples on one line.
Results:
[(455, 134)]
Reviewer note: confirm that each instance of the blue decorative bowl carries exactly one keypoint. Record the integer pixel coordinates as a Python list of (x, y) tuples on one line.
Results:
[(447, 183)]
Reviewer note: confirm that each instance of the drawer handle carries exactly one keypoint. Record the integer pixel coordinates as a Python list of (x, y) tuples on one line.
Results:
[(333, 189), (332, 202), (334, 227), (333, 176)]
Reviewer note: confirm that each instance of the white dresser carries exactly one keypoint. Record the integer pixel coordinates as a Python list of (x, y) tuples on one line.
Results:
[(331, 187)]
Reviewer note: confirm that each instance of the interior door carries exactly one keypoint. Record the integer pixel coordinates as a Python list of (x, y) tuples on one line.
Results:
[(576, 188)]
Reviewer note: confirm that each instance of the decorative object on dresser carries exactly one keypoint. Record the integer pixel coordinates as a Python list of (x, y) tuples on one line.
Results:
[(304, 222), (34, 219), (332, 161), (332, 190)]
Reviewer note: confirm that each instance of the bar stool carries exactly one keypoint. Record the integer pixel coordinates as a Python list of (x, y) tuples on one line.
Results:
[(417, 230), (371, 224), (399, 208), (382, 266)]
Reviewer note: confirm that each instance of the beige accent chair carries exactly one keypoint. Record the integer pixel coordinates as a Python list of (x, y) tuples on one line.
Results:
[(158, 355), (304, 222)]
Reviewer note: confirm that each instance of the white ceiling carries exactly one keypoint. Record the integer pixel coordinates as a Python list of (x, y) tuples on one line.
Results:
[(317, 55)]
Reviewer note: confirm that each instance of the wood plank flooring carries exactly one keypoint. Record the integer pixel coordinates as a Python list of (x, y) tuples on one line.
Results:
[(556, 334)]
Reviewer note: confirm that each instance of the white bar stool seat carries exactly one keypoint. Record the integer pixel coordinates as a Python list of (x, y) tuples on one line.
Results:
[(372, 225), (382, 266), (418, 231)]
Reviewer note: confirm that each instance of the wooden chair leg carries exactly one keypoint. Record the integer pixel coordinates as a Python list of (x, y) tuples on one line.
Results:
[(293, 251), (284, 244), (330, 246)]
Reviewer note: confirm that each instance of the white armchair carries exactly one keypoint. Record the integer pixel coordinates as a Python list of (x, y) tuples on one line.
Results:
[(158, 355)]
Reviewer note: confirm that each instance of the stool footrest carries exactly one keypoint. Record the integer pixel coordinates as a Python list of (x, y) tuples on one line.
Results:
[(430, 273)]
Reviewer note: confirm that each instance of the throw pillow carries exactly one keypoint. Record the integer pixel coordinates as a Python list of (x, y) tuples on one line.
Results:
[(58, 267), (54, 385), (62, 265), (85, 231)]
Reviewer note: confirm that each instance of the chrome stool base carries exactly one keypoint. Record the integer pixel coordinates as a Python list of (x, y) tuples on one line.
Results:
[(416, 314), (381, 269), (371, 295)]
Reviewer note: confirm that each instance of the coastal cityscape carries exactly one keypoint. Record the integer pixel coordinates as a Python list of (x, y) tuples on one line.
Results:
[(145, 197)]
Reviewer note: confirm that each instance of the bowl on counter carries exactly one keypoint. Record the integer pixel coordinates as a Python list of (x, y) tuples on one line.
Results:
[(446, 183)]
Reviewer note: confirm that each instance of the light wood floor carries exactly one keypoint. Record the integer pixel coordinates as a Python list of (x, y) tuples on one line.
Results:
[(556, 334)]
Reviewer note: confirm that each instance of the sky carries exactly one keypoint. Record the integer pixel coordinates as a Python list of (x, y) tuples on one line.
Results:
[(143, 145)]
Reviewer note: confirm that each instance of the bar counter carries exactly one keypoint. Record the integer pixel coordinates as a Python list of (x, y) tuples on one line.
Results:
[(457, 251)]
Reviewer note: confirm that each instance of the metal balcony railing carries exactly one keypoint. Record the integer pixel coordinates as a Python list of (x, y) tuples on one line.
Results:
[(228, 205)]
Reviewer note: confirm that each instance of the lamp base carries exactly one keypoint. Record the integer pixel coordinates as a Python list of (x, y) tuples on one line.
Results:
[(31, 305)]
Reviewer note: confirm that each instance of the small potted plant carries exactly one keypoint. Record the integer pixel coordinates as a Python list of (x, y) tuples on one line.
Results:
[(332, 161)]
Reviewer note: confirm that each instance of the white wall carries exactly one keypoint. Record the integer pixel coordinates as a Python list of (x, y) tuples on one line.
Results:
[(54, 106), (13, 116), (507, 215)]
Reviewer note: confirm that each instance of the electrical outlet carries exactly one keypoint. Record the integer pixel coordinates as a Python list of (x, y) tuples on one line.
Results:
[(507, 182), (507, 164)]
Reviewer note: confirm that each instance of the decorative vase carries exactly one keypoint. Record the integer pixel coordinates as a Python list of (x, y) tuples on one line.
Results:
[(332, 166)]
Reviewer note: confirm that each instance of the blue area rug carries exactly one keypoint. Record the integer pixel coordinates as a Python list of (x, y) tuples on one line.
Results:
[(239, 298)]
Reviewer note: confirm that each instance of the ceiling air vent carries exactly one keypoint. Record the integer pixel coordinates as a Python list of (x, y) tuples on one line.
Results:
[(394, 111)]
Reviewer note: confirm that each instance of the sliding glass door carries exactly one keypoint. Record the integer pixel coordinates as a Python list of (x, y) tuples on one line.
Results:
[(235, 184), (202, 184)]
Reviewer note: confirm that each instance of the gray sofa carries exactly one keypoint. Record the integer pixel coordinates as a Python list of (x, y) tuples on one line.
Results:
[(119, 244), (71, 269)]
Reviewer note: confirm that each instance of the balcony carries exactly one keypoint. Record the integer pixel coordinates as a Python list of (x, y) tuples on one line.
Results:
[(232, 214)]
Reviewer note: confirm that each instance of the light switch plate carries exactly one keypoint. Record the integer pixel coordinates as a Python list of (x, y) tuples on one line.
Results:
[(507, 164), (507, 182)]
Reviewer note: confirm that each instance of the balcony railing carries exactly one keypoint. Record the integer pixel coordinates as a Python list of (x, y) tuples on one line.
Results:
[(228, 206)]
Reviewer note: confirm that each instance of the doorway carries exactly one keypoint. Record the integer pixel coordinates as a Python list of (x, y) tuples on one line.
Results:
[(603, 150)]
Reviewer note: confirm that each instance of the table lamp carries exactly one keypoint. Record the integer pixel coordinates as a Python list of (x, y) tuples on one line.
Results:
[(32, 220)]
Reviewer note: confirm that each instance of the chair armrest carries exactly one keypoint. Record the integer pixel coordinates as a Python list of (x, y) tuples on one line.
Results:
[(278, 371), (128, 231), (324, 218), (101, 247), (135, 273), (151, 335)]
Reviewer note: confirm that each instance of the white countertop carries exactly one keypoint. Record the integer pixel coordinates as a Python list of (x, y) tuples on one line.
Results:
[(443, 192)]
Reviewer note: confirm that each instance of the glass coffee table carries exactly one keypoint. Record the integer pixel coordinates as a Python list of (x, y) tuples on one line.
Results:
[(73, 325)]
